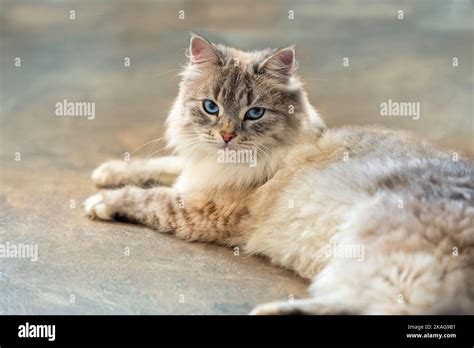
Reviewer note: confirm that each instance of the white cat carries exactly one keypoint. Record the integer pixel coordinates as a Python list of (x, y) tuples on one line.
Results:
[(382, 223)]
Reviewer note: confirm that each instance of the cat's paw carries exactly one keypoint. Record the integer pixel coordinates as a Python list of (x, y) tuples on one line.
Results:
[(96, 208), (109, 174)]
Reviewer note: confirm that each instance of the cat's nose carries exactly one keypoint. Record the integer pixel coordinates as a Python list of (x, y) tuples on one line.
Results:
[(227, 136)]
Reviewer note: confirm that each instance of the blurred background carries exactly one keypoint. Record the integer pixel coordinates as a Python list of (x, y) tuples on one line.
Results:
[(76, 50)]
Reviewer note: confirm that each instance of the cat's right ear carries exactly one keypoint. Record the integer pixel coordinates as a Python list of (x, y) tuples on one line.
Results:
[(202, 51)]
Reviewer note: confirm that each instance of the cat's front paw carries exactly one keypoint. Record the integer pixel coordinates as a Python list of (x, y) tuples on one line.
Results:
[(96, 207), (109, 174)]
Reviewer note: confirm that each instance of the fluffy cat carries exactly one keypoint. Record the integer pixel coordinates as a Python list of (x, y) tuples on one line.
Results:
[(381, 222)]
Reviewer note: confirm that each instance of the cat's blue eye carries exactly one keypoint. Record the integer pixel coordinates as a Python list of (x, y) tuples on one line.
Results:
[(210, 107), (254, 113)]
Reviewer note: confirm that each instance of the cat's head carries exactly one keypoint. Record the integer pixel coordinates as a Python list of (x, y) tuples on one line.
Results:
[(239, 100)]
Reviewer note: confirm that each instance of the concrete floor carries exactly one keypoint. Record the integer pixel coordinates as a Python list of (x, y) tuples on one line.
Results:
[(84, 266)]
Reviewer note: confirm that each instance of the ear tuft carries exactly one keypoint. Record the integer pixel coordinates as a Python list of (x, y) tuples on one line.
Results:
[(202, 51), (281, 63)]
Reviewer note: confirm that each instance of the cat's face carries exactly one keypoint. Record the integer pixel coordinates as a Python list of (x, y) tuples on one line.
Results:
[(240, 100)]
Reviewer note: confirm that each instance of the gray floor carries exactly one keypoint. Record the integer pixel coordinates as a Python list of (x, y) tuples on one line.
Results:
[(84, 266)]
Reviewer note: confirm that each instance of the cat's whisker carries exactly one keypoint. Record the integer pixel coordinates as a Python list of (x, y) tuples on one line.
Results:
[(312, 78), (268, 158), (183, 146), (271, 158), (148, 143), (253, 146), (190, 141), (162, 138), (153, 142), (166, 72), (141, 161)]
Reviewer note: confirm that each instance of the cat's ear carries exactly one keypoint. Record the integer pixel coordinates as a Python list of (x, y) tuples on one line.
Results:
[(202, 51), (282, 63)]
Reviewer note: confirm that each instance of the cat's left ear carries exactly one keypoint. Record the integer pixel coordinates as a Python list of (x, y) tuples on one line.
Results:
[(281, 63)]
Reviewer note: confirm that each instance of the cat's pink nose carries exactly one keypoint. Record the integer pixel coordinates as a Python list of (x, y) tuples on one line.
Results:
[(227, 137)]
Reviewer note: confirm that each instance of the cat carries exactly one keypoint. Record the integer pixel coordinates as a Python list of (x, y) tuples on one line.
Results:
[(381, 222)]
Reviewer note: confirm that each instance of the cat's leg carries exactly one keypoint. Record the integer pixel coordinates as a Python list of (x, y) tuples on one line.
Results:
[(139, 172), (166, 210)]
